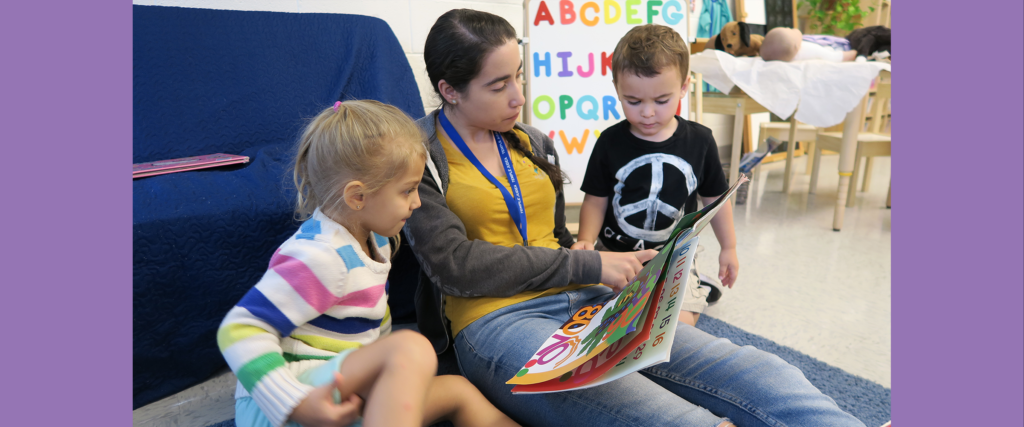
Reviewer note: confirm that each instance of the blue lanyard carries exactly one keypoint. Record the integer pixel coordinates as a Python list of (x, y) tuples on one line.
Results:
[(514, 204)]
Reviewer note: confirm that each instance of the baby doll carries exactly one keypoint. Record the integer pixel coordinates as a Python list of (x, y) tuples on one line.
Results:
[(788, 44)]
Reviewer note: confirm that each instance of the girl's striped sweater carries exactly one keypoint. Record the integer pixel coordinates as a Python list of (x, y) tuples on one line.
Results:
[(320, 295)]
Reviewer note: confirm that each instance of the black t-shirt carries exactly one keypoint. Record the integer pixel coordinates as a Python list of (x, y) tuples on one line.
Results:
[(651, 185)]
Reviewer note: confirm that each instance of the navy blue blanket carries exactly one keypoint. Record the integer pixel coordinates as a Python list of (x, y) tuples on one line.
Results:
[(209, 81)]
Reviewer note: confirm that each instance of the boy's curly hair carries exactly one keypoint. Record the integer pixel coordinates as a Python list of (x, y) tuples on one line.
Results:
[(647, 49)]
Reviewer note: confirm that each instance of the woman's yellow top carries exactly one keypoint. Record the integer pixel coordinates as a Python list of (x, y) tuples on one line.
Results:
[(481, 207)]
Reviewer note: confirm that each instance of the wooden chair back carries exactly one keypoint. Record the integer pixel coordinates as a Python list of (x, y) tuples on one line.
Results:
[(876, 110), (696, 98)]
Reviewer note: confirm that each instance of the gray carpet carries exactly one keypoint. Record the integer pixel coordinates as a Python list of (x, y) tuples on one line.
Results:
[(866, 400)]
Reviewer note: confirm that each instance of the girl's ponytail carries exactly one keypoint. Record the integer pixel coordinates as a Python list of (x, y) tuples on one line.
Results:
[(361, 140)]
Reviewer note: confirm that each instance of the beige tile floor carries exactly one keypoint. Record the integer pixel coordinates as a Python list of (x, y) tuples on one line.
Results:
[(821, 292), (802, 285)]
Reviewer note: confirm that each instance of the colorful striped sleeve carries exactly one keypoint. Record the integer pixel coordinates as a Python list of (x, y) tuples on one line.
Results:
[(302, 283)]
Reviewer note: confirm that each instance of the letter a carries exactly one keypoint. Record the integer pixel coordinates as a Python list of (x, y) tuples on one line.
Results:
[(543, 14)]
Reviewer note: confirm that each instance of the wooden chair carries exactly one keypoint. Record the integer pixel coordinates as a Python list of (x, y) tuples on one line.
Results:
[(803, 133), (696, 98), (869, 144)]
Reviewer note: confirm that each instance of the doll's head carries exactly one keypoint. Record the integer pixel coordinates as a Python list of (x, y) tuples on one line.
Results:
[(781, 44)]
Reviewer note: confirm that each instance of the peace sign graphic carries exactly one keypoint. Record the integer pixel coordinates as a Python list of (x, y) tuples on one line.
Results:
[(652, 204)]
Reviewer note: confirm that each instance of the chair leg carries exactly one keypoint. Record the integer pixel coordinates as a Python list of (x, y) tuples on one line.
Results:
[(815, 171), (888, 199), (867, 174), (787, 179), (851, 194), (810, 159)]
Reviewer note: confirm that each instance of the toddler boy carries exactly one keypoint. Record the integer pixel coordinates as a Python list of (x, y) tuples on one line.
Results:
[(653, 165)]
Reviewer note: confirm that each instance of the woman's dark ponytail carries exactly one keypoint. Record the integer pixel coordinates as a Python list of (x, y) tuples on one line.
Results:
[(554, 172)]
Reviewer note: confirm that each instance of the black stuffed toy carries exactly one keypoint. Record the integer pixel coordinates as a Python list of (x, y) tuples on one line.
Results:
[(869, 40)]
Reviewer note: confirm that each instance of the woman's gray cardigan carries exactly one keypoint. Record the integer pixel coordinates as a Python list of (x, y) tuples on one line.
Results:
[(453, 265)]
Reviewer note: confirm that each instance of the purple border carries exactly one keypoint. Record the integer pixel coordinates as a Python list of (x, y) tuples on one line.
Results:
[(957, 323), (66, 134), (958, 222)]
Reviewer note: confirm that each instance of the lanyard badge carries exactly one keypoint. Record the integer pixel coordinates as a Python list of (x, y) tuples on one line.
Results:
[(514, 201)]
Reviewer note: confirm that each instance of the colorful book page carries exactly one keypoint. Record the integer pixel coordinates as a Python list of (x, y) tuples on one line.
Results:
[(700, 219), (658, 347), (598, 365), (648, 348), (618, 317)]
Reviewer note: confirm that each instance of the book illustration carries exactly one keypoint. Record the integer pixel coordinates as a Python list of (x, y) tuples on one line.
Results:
[(594, 367), (641, 348), (140, 170), (630, 331), (658, 347), (598, 325), (700, 219)]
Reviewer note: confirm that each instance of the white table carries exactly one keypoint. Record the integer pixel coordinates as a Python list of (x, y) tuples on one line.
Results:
[(827, 93)]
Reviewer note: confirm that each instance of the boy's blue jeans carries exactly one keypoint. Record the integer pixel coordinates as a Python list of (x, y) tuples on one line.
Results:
[(707, 381)]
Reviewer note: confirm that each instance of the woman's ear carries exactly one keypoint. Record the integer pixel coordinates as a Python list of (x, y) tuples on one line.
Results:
[(353, 195), (744, 34), (448, 92)]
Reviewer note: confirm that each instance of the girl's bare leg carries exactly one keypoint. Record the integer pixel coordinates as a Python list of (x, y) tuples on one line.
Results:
[(392, 375), (454, 398)]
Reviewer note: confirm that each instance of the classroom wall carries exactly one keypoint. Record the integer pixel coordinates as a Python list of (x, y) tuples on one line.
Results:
[(411, 21)]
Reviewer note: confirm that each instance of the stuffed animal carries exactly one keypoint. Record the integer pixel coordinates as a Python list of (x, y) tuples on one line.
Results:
[(869, 40), (735, 38)]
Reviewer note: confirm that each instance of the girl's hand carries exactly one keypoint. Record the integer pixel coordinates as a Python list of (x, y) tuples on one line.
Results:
[(581, 245), (618, 268), (728, 267), (318, 408)]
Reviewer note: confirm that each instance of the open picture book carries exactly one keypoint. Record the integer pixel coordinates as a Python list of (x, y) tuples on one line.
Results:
[(632, 330)]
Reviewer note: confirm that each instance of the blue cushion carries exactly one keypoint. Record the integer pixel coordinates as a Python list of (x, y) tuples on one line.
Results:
[(209, 81)]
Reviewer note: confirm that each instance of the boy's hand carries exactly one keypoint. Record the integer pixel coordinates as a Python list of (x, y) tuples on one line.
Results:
[(318, 408), (728, 267), (581, 245), (618, 268)]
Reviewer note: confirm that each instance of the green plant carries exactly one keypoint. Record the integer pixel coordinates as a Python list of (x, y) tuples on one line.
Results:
[(835, 16)]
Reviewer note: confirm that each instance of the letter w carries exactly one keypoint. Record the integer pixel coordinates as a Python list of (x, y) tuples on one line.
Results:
[(573, 144)]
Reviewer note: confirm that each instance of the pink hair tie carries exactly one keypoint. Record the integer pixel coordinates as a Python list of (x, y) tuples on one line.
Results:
[(336, 105)]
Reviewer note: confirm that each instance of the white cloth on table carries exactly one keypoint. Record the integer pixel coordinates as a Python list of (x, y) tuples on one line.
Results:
[(824, 91)]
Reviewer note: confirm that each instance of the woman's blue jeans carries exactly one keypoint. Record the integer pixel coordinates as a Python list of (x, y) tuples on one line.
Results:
[(707, 381)]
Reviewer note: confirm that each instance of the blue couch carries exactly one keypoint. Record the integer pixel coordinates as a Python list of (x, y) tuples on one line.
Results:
[(215, 81)]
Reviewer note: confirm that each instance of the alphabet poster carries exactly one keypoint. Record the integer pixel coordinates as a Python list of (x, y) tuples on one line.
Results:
[(568, 69)]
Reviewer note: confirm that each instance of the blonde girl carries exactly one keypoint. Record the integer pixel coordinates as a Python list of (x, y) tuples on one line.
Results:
[(311, 341)]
